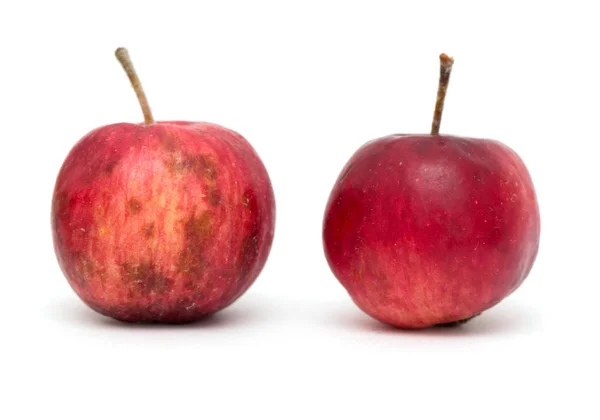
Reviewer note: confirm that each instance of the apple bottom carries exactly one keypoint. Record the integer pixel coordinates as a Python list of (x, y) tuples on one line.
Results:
[(391, 318), (421, 288), (165, 310)]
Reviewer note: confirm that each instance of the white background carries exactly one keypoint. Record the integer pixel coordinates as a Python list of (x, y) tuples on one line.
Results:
[(306, 83)]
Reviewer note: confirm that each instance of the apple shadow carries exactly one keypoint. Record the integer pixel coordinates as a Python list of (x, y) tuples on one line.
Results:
[(505, 318), (73, 312)]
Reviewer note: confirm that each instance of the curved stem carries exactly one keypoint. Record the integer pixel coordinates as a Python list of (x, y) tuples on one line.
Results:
[(445, 70), (123, 56)]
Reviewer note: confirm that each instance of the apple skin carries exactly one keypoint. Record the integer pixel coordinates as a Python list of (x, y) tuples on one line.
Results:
[(167, 222), (427, 230)]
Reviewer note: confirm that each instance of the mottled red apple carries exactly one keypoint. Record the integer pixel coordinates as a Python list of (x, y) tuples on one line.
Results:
[(427, 230), (161, 221)]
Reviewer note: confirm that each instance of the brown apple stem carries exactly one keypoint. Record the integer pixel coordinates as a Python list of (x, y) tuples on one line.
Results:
[(123, 56), (445, 70)]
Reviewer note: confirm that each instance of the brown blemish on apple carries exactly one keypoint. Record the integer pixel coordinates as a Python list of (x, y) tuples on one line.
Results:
[(203, 166), (196, 287), (110, 166), (168, 141), (134, 206), (214, 196), (170, 138), (249, 249), (87, 268), (197, 233), (198, 227), (149, 231), (59, 208), (84, 269), (145, 278), (249, 252)]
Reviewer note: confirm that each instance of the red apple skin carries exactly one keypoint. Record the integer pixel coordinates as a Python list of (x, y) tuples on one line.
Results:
[(167, 222), (425, 230)]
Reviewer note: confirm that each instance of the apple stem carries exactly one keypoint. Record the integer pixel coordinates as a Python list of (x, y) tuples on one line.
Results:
[(445, 70), (123, 56)]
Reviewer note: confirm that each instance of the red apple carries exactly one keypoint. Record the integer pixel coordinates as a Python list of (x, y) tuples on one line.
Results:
[(162, 221), (427, 230)]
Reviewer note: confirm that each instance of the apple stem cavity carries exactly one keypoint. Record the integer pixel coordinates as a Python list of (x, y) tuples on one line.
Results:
[(123, 56), (445, 70)]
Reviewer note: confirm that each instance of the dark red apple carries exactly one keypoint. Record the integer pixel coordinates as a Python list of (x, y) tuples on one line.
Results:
[(427, 230), (161, 221)]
